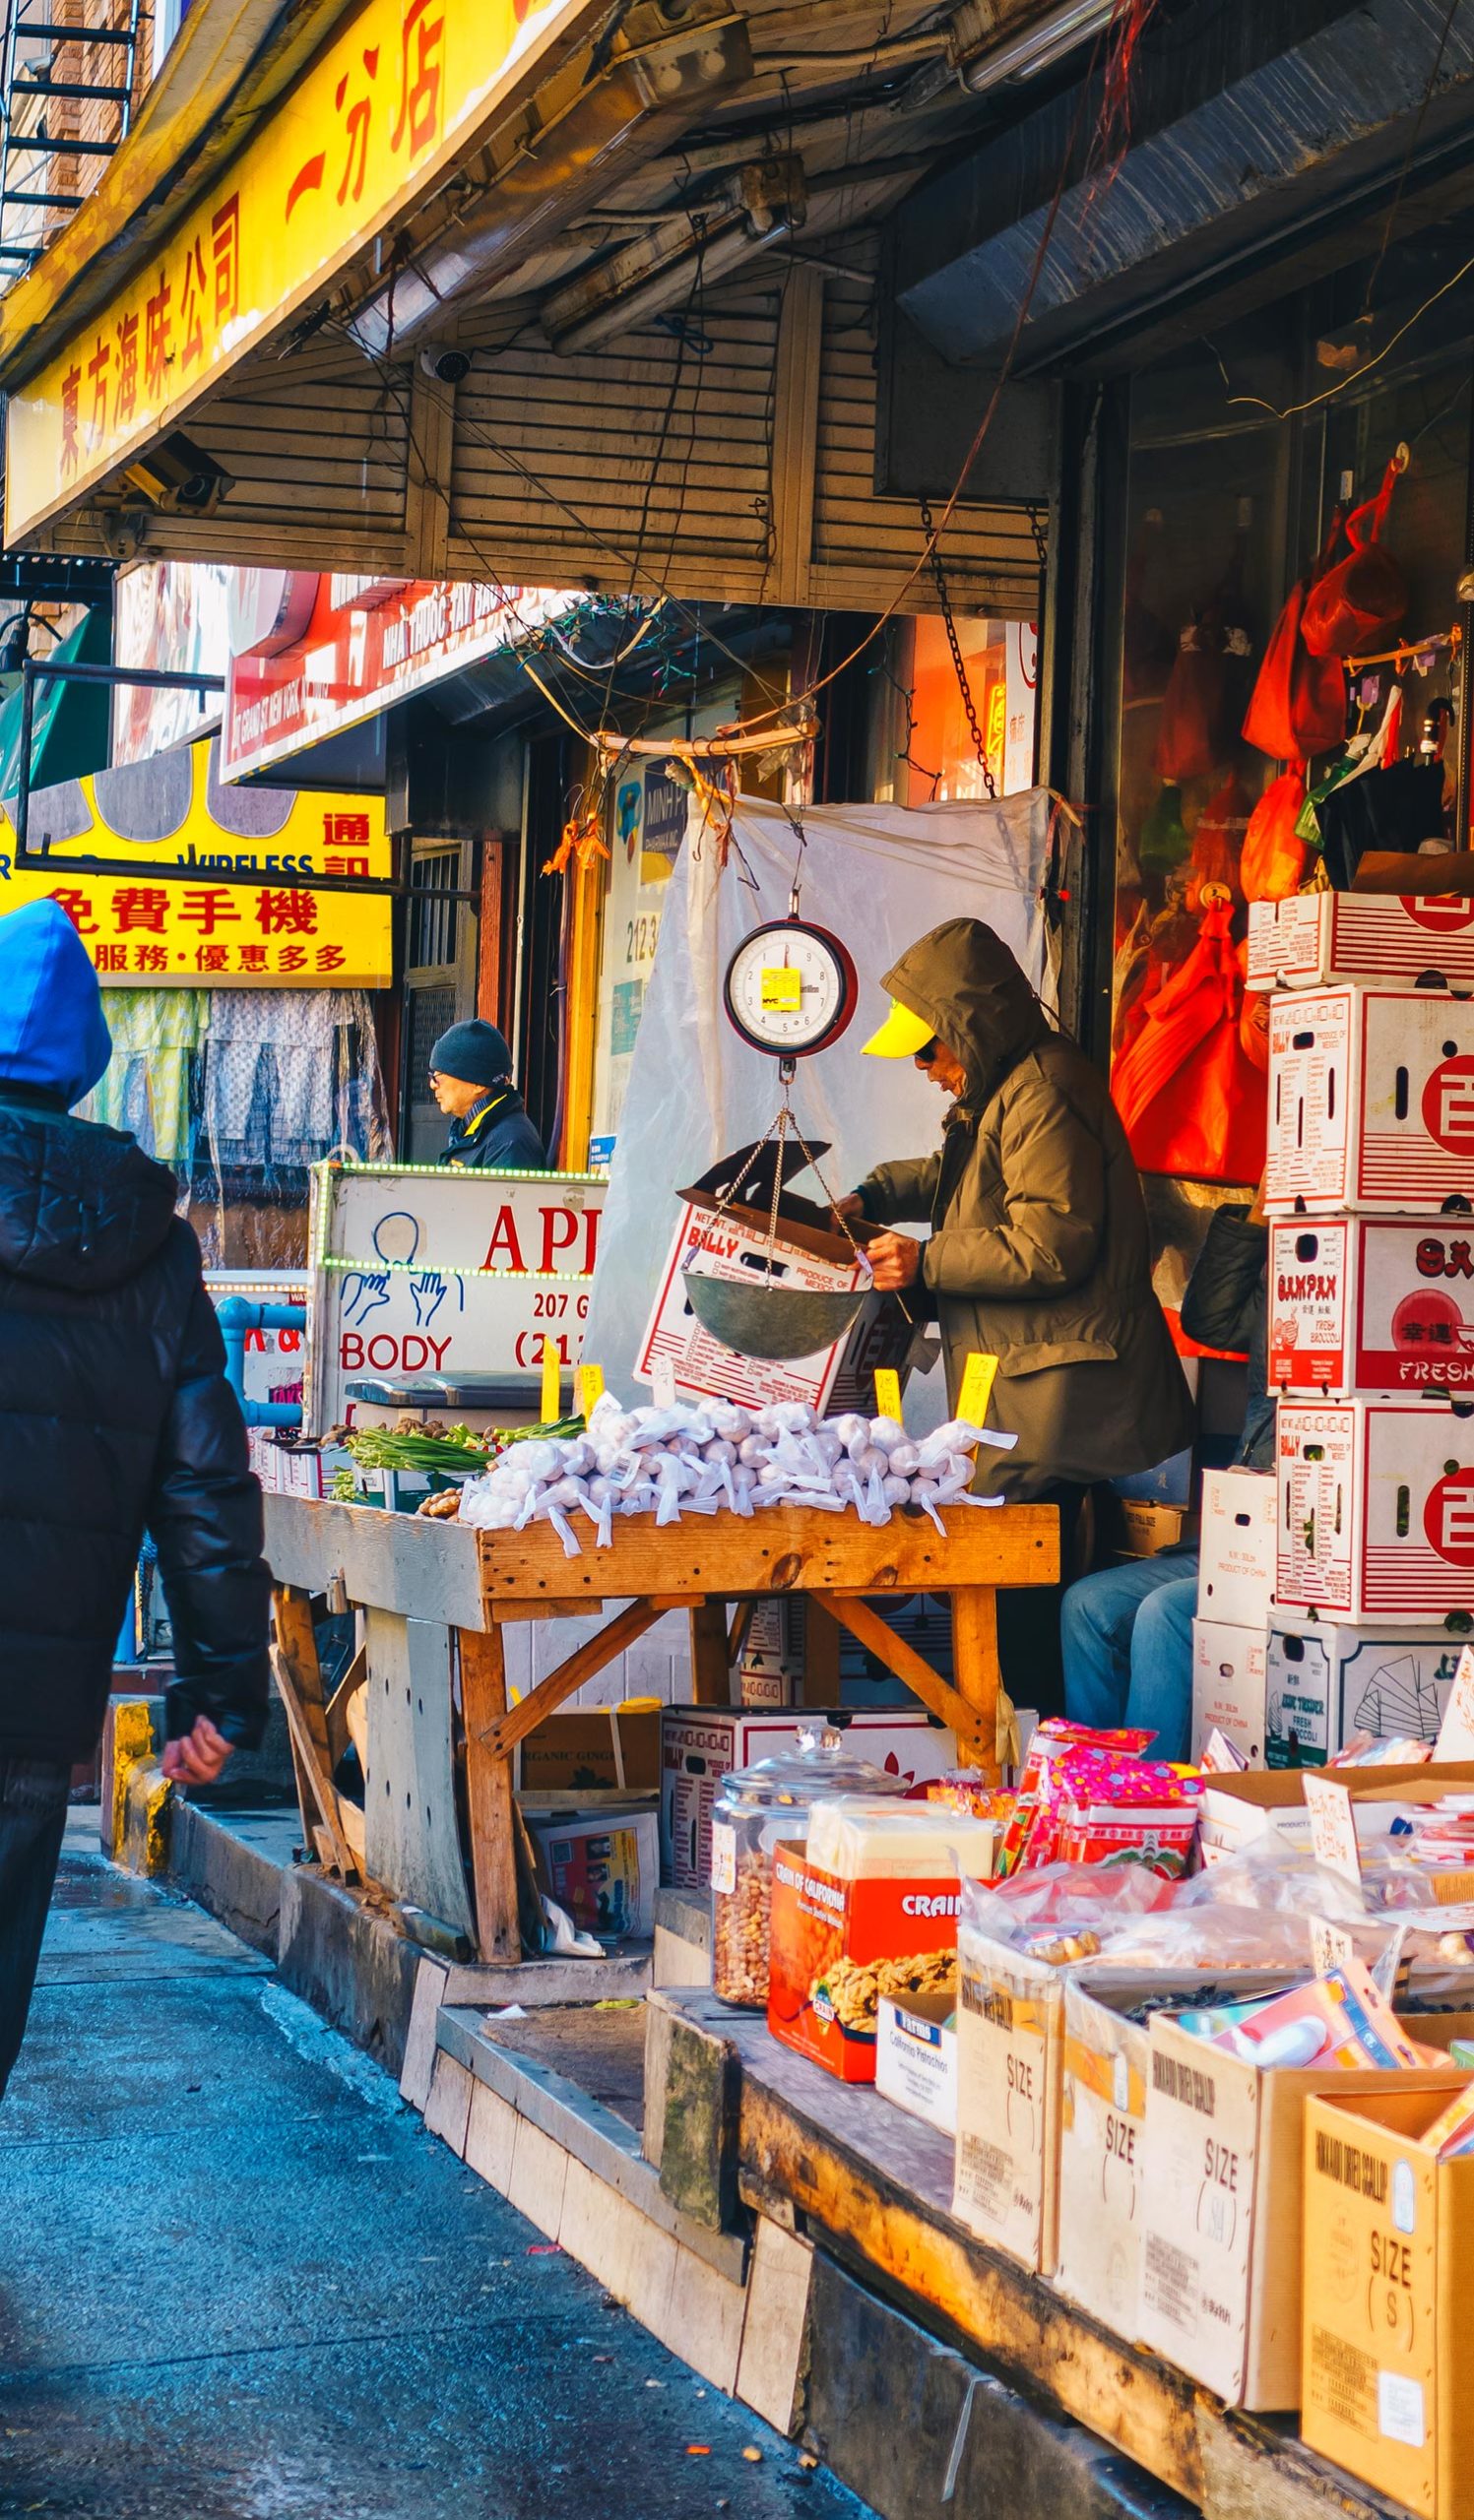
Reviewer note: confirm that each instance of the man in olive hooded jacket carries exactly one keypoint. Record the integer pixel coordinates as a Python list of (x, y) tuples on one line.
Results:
[(1039, 1251)]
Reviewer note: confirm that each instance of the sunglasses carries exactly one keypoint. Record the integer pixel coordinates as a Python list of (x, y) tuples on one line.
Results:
[(928, 1051)]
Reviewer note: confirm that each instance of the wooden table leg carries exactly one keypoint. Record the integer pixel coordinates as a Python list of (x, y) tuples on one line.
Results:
[(711, 1672), (975, 1666), (488, 1796), (311, 1759), (820, 1654)]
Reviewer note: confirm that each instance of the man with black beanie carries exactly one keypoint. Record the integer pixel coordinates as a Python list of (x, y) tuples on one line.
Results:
[(470, 1078)]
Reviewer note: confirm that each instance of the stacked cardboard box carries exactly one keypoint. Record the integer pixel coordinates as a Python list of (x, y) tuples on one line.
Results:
[(1370, 1193)]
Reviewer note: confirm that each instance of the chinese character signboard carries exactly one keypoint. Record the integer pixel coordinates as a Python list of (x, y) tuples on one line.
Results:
[(367, 642), (387, 107), (244, 917)]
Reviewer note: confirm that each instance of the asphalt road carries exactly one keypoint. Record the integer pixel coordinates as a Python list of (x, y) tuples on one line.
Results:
[(239, 2282)]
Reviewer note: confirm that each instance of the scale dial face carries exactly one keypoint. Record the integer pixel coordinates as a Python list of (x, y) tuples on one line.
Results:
[(791, 988)]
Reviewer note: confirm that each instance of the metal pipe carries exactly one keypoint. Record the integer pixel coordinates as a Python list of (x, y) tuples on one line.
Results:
[(239, 1317), (1071, 24)]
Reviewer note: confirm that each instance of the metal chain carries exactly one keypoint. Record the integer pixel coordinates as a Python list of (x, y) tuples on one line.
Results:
[(963, 685)]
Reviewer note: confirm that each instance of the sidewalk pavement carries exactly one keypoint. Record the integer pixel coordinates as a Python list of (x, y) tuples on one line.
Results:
[(238, 2281)]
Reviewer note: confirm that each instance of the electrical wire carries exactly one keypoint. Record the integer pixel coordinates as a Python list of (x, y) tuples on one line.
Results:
[(1343, 384)]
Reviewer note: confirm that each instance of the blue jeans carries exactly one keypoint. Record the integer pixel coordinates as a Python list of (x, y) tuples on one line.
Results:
[(33, 1818), (1128, 1641)]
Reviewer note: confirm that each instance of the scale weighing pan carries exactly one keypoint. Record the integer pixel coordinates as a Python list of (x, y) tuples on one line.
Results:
[(775, 1323)]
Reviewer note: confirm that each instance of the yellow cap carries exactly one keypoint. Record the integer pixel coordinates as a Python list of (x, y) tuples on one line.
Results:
[(901, 1035)]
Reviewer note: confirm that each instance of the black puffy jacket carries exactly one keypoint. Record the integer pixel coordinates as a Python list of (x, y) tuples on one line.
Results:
[(115, 1416)]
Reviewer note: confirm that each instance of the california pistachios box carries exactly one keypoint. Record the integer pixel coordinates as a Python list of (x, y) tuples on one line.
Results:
[(836, 1947)]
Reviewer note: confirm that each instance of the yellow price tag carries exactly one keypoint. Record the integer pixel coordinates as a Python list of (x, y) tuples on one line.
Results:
[(587, 1386), (782, 990), (887, 1393), (976, 1389), (553, 1382)]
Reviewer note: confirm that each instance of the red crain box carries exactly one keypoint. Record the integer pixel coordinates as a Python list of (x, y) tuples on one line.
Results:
[(1359, 1307), (1375, 1509), (836, 1947), (1316, 937), (1371, 1101)]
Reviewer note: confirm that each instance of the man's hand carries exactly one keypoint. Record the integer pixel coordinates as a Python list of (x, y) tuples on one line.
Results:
[(198, 1756), (895, 1260)]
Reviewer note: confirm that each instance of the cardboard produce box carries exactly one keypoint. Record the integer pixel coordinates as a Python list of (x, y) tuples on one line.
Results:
[(1330, 1678), (1102, 2159), (1315, 937), (837, 1947), (1148, 1529), (1389, 2347), (1371, 1101), (1224, 2187), (1011, 2029), (1239, 1808), (916, 2056), (701, 1744), (1376, 1511), (1229, 1665), (597, 1750), (602, 1867), (1235, 1563), (810, 1253), (1361, 1306)]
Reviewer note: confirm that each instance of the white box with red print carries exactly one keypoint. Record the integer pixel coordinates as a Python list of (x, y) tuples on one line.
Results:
[(1362, 1305), (1371, 1101), (1375, 1509), (1316, 937)]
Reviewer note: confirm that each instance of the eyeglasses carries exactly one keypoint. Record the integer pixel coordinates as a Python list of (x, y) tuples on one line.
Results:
[(928, 1051)]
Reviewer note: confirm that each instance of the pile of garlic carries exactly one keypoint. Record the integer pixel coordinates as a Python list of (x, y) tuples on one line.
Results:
[(715, 1458)]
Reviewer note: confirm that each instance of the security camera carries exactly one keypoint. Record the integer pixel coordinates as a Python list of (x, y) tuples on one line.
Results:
[(446, 365)]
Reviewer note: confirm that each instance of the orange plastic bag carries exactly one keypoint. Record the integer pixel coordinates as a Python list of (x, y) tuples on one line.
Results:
[(1192, 1100), (1363, 596), (1299, 703), (1272, 863)]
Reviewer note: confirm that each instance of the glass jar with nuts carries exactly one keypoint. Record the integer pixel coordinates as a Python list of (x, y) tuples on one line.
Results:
[(758, 1809)]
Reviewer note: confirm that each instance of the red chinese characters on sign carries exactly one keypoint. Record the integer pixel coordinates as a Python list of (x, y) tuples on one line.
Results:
[(422, 41), (70, 420), (208, 907), (193, 292), (97, 377), (125, 400), (139, 906), (286, 914), (224, 251), (356, 123), (1448, 1517), (158, 334)]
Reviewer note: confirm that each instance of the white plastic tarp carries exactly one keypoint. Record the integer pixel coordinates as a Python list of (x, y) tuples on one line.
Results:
[(879, 876)]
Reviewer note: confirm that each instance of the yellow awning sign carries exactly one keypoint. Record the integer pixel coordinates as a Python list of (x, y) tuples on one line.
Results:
[(244, 917), (387, 106)]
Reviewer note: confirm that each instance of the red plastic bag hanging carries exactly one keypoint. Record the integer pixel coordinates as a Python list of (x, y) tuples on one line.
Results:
[(1204, 690), (1218, 844), (1192, 1102), (1273, 863), (1299, 702), (1365, 596)]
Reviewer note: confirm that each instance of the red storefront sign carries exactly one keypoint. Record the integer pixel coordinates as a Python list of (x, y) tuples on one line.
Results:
[(310, 658)]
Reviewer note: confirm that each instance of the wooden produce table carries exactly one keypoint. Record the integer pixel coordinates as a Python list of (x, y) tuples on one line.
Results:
[(423, 1584)]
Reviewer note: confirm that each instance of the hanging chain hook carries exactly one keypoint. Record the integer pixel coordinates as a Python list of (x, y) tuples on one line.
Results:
[(959, 668)]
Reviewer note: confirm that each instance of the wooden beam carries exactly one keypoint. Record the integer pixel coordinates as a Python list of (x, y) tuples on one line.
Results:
[(820, 1652), (797, 369), (429, 463), (975, 1660), (893, 1651), (297, 1680), (1130, 2398), (711, 1660), (502, 1734), (489, 1802), (794, 1548)]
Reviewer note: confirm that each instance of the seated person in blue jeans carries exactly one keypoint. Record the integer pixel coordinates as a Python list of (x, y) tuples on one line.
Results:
[(1127, 1633)]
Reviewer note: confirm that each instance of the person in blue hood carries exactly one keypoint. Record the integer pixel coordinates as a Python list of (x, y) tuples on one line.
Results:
[(116, 1419)]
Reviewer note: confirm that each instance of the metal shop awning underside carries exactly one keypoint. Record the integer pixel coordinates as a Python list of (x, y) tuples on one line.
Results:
[(569, 291)]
